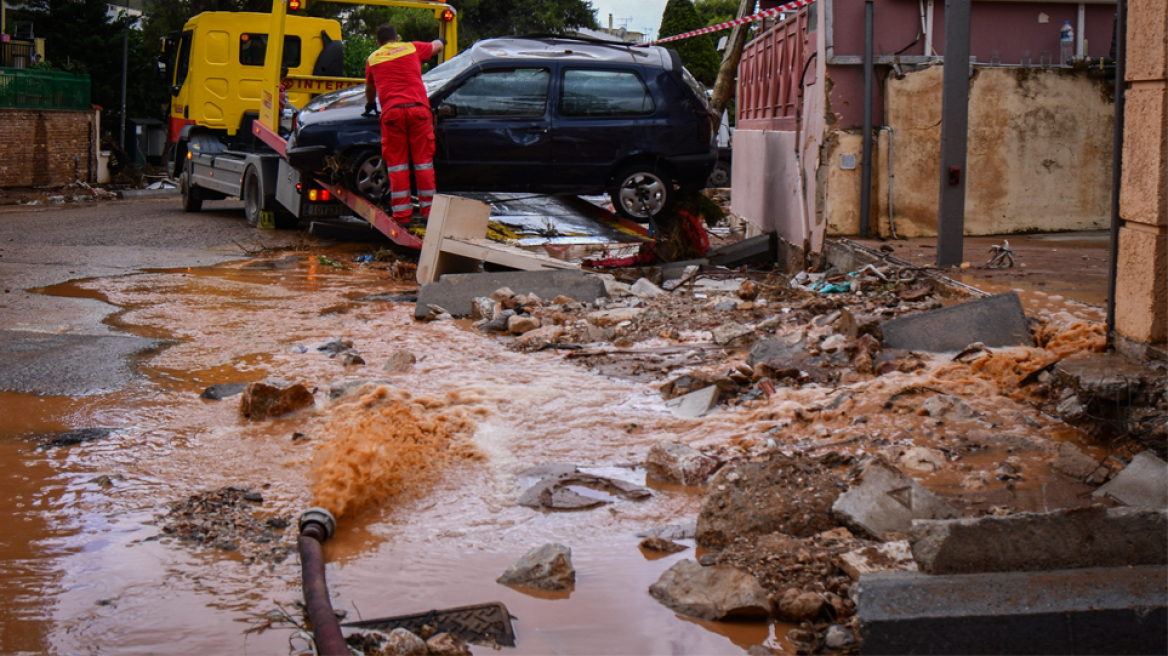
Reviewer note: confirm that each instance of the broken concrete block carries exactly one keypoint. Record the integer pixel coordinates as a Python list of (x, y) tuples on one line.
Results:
[(678, 463), (554, 492), (888, 557), (604, 318), (947, 406), (762, 249), (711, 593), (1074, 463), (884, 501), (1143, 483), (732, 333), (456, 292), (522, 323), (1087, 611), (694, 404), (546, 568), (994, 321), (1062, 539), (1106, 376), (853, 325), (797, 606), (541, 336), (402, 642), (645, 289)]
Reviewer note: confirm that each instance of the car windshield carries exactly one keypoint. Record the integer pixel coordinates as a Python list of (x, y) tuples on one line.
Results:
[(444, 72), (351, 97)]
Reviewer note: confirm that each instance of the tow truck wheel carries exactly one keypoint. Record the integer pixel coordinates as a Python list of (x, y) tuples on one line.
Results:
[(253, 202), (190, 199)]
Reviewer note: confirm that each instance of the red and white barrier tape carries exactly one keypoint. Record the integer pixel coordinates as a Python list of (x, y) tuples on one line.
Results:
[(737, 21)]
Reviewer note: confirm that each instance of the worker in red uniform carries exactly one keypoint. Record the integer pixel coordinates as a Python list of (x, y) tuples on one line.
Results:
[(393, 75)]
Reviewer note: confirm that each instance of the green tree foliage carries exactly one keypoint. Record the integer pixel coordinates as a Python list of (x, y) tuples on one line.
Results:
[(483, 19), (80, 38), (713, 12), (357, 49), (697, 52)]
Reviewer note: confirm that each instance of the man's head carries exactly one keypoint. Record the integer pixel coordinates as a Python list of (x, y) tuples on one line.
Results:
[(385, 34)]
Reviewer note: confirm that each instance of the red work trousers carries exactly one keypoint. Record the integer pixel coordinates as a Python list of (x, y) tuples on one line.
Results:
[(407, 133)]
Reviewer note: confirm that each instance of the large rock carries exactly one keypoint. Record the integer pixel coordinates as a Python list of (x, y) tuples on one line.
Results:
[(800, 606), (791, 496), (1062, 539), (994, 321), (1074, 463), (554, 491), (404, 643), (711, 593), (1143, 483), (678, 463), (261, 400), (547, 568), (605, 318), (883, 501)]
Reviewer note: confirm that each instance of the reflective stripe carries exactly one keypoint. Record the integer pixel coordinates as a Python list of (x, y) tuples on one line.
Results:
[(399, 167), (401, 208), (425, 203), (426, 192), (424, 167), (400, 194)]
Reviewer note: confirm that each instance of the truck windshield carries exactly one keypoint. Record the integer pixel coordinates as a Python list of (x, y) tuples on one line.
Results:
[(446, 71)]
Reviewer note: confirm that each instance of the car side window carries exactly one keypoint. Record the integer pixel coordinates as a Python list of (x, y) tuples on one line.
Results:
[(503, 92), (591, 92)]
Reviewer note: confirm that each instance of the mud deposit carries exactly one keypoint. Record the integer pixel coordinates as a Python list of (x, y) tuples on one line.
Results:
[(91, 567)]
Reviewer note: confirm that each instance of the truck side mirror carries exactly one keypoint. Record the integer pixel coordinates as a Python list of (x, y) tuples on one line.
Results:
[(174, 90), (446, 110)]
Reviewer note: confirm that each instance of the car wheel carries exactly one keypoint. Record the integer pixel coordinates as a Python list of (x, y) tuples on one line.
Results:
[(191, 202), (253, 202), (368, 175), (641, 192), (720, 176)]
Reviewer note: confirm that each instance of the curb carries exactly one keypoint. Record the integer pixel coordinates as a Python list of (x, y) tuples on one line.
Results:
[(130, 194)]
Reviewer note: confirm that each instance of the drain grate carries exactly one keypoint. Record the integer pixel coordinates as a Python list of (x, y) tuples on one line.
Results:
[(484, 624)]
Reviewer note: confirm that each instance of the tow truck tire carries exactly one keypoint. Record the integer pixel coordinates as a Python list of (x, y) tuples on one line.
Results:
[(253, 200), (191, 202), (642, 191)]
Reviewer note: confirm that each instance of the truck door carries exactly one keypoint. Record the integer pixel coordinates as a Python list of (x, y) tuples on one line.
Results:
[(501, 130), (180, 91)]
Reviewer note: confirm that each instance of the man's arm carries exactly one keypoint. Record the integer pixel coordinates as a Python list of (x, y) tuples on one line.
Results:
[(437, 45), (370, 91)]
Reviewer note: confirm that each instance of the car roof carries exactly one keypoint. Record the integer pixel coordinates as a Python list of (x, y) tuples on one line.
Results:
[(567, 48)]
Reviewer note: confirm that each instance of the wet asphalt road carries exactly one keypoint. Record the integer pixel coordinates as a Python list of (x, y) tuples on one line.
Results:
[(62, 346)]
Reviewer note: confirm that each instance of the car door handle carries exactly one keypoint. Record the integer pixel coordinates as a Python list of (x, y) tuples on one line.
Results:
[(535, 129)]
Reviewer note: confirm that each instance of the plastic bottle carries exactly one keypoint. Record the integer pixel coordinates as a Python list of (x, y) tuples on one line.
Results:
[(1066, 43)]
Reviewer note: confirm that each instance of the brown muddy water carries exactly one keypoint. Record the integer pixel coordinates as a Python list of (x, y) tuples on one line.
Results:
[(81, 576)]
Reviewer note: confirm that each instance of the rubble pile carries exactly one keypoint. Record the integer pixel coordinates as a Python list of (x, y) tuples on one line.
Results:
[(77, 192), (226, 519)]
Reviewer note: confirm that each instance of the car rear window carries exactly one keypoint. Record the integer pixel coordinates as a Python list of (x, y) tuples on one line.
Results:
[(503, 92), (253, 50), (591, 92)]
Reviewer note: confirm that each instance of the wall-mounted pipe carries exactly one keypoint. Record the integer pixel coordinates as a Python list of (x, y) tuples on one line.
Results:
[(866, 153), (316, 526), (891, 178)]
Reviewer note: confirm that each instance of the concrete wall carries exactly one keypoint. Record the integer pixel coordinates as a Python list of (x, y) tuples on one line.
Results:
[(1040, 151), (39, 147)]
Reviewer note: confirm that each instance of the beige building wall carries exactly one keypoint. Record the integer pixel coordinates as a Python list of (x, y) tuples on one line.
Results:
[(1040, 151), (1141, 297)]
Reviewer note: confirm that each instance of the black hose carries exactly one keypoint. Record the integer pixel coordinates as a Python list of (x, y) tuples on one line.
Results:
[(316, 526)]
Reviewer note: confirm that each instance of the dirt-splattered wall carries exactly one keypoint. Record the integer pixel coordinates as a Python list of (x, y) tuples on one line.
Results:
[(1040, 149), (46, 147)]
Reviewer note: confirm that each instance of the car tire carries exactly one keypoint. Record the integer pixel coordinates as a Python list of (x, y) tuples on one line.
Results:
[(641, 192), (719, 177), (253, 200), (367, 175), (191, 201)]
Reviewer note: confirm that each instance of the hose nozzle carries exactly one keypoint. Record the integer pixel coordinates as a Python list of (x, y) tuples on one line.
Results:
[(318, 523)]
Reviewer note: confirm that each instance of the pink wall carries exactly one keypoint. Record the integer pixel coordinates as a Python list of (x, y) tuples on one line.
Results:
[(1008, 27)]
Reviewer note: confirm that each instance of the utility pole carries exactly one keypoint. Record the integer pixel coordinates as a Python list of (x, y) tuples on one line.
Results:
[(954, 135), (728, 72)]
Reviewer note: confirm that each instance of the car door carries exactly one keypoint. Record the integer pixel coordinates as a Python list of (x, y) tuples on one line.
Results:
[(603, 114), (499, 137)]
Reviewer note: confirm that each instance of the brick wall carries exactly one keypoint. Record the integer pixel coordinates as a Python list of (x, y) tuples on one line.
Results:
[(37, 147)]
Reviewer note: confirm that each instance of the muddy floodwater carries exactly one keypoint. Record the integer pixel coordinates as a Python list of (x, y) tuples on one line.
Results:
[(87, 568)]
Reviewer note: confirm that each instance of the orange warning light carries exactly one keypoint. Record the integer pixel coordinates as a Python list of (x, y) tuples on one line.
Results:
[(448, 15)]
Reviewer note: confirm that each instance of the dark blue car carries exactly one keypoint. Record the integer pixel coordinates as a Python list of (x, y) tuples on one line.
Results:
[(547, 115)]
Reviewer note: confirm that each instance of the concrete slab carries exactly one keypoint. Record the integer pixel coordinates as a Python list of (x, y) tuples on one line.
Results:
[(1086, 611), (694, 404), (883, 501), (456, 292), (1063, 539), (760, 249), (994, 321), (888, 557), (1143, 483)]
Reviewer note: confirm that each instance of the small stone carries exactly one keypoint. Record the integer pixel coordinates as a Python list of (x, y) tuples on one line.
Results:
[(541, 336), (447, 644), (261, 401), (606, 318), (923, 459), (522, 323), (353, 360), (834, 343), (678, 463), (1071, 409), (499, 323), (748, 290), (501, 294), (661, 546), (404, 643), (798, 606), (400, 362), (947, 407), (729, 333), (254, 497), (839, 637), (482, 308), (222, 391), (563, 300), (546, 568)]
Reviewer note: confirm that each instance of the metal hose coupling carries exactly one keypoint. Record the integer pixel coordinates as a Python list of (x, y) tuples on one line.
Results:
[(316, 526), (318, 523)]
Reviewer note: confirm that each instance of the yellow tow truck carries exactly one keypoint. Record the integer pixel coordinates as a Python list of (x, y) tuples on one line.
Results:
[(226, 70)]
